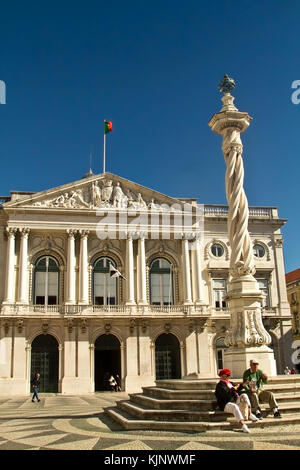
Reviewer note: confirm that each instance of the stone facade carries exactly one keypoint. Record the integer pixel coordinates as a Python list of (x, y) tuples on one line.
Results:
[(293, 293), (166, 319)]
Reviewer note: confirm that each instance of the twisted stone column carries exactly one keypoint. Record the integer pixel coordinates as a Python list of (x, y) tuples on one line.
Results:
[(247, 336)]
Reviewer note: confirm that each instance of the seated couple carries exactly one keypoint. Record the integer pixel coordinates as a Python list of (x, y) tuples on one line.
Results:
[(234, 399)]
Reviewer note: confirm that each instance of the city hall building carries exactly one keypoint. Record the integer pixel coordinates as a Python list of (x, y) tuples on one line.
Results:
[(105, 275)]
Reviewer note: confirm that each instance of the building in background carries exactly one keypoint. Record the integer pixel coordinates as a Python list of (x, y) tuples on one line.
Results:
[(105, 276), (293, 292)]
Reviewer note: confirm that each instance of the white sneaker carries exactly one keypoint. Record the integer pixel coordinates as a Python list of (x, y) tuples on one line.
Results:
[(245, 428), (253, 417)]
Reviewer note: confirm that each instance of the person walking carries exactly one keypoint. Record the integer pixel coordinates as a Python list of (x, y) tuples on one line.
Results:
[(112, 383), (228, 399), (253, 380), (118, 381), (36, 385)]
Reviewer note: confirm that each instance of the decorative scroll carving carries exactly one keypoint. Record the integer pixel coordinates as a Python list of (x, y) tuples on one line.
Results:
[(247, 330)]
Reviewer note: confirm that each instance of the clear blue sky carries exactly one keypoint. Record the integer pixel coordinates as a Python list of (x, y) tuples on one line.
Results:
[(152, 67)]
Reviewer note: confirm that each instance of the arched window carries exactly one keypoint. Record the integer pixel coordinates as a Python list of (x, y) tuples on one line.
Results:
[(105, 287), (161, 282), (46, 281)]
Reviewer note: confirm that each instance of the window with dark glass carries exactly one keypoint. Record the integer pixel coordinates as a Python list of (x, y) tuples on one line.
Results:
[(161, 282), (217, 250), (46, 281), (220, 348), (264, 288), (219, 291), (258, 251), (105, 287)]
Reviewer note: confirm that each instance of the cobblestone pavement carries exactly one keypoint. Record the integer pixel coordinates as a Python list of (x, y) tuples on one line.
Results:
[(64, 423)]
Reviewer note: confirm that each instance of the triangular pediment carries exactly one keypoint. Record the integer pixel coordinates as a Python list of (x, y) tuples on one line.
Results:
[(104, 191)]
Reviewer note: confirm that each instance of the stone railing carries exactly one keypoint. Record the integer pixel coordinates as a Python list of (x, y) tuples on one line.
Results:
[(103, 309), (261, 212)]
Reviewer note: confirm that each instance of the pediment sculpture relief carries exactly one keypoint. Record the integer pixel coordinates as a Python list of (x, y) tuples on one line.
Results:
[(97, 195)]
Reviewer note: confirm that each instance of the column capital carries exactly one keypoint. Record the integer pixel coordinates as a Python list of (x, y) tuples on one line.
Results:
[(24, 231), (83, 233), (142, 235), (71, 232), (11, 231), (189, 236)]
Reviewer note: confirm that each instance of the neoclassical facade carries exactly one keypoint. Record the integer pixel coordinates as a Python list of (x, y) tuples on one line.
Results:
[(104, 275)]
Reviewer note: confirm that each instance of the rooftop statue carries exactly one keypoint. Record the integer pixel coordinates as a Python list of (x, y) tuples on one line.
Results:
[(227, 84)]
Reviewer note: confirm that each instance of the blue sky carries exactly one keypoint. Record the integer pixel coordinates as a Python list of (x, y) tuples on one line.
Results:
[(152, 67)]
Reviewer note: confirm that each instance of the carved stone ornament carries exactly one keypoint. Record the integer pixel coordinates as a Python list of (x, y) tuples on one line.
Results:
[(45, 328), (247, 330), (144, 326), (6, 326), (107, 328), (20, 325), (132, 326), (167, 327), (83, 324), (95, 195)]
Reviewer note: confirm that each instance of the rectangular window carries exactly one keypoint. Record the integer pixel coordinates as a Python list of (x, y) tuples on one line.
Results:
[(264, 289), (219, 292)]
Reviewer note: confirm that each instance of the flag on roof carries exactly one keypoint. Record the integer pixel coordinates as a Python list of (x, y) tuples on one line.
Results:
[(107, 127)]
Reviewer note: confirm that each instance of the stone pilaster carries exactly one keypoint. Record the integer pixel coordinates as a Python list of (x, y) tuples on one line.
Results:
[(23, 267), (83, 268), (10, 266), (187, 271), (71, 278), (130, 271), (142, 300)]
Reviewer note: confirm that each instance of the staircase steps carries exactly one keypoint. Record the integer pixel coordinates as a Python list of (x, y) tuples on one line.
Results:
[(190, 405)]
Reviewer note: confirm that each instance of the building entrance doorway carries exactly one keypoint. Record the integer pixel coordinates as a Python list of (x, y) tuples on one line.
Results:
[(107, 360), (44, 359), (167, 357)]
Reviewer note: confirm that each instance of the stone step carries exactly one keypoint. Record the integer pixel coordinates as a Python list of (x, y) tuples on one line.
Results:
[(139, 411), (196, 404), (179, 394), (167, 404), (130, 423), (210, 384)]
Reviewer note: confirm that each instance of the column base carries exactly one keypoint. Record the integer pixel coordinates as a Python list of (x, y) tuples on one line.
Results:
[(134, 383), (76, 386), (238, 360)]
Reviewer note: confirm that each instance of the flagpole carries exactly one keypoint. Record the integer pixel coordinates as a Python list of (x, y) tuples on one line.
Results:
[(104, 149)]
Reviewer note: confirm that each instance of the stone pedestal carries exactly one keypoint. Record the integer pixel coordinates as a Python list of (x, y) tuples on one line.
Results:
[(247, 338)]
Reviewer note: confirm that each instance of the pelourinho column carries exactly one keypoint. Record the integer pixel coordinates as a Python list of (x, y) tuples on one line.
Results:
[(10, 266), (71, 280), (83, 268), (23, 267), (247, 337)]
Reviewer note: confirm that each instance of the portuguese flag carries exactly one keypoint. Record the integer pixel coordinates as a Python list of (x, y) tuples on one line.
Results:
[(107, 127)]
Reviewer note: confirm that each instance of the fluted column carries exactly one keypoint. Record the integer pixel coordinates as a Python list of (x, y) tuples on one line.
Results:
[(10, 266), (130, 271), (142, 271), (23, 267), (83, 268), (71, 279), (187, 271)]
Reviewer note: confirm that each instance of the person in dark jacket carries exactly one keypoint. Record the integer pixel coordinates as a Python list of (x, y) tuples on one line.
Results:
[(228, 398), (36, 385)]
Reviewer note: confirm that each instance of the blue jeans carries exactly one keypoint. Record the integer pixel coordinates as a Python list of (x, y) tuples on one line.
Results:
[(35, 393)]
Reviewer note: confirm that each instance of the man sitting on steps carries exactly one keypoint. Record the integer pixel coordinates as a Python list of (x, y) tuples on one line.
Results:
[(253, 379)]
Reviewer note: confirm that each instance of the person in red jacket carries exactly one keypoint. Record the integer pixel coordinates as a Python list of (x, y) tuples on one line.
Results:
[(228, 398)]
